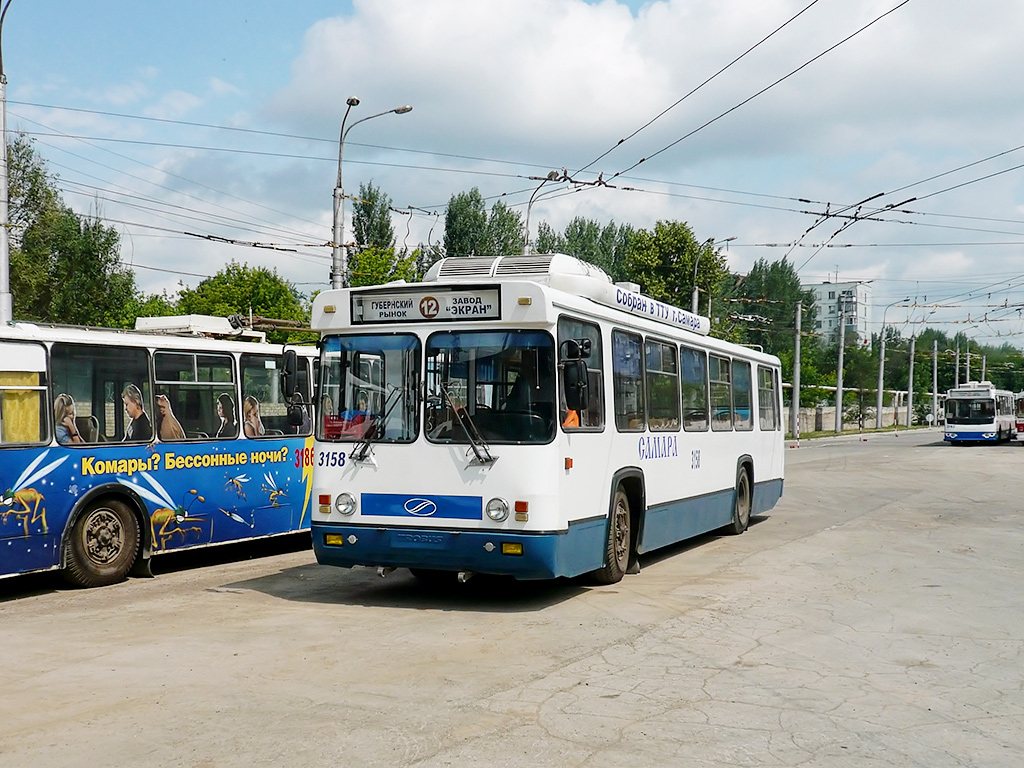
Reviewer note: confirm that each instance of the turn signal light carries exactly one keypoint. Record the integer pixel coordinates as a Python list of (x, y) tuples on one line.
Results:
[(511, 548), (334, 539)]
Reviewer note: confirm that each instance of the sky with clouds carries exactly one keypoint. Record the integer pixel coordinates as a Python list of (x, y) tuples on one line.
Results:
[(874, 140)]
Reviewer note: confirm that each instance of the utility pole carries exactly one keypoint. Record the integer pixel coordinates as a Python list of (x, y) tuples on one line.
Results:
[(910, 381), (839, 367), (935, 382), (6, 301), (956, 376), (984, 359), (794, 408)]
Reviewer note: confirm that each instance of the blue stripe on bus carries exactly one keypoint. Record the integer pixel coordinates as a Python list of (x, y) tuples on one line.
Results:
[(422, 506)]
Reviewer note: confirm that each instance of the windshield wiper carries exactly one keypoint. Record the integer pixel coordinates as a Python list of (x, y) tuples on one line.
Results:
[(376, 429), (476, 441)]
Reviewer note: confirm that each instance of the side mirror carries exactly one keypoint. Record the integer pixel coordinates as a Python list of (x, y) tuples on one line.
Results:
[(574, 378), (290, 373)]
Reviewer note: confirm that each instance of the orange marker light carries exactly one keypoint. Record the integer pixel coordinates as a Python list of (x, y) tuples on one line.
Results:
[(568, 463)]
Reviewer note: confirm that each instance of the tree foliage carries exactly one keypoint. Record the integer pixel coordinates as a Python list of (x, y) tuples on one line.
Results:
[(374, 266), (371, 218), (664, 262), (763, 304), (64, 267), (603, 246), (242, 290), (470, 231)]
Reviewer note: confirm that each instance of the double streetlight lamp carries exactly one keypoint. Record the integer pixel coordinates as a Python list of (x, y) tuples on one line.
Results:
[(881, 364), (339, 255), (696, 263)]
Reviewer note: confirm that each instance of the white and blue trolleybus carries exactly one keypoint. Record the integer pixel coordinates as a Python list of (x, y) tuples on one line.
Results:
[(977, 412), (525, 416)]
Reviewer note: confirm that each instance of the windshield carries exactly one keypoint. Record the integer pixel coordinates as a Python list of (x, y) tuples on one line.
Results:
[(504, 382), (970, 411), (368, 388)]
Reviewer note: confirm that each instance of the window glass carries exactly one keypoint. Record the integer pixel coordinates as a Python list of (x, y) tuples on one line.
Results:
[(695, 390), (662, 371), (494, 386), (110, 389), (23, 400), (264, 406), (719, 374), (369, 388), (593, 416), (742, 415), (627, 381), (192, 391), (767, 399)]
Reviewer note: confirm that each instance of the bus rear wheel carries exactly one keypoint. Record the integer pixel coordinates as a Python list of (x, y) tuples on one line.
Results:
[(102, 546), (616, 551), (741, 504)]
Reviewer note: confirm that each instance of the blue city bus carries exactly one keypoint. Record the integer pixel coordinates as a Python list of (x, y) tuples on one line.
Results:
[(119, 445)]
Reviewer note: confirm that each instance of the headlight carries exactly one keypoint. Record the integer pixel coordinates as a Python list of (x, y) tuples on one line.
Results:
[(497, 509), (345, 503)]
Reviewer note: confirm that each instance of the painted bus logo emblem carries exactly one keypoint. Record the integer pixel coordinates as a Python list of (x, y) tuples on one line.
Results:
[(420, 507), (429, 307)]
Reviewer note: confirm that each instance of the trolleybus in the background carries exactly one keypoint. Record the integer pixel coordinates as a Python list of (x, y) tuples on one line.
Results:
[(978, 412)]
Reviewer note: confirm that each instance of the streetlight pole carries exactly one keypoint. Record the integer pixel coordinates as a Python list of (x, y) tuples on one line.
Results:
[(552, 176), (696, 263), (339, 253), (881, 365), (6, 302)]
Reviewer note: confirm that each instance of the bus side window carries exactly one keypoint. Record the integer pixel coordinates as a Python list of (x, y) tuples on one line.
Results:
[(592, 418), (95, 377)]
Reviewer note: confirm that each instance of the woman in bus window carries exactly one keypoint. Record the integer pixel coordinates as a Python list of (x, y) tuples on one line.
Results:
[(226, 411), (251, 417), (64, 413)]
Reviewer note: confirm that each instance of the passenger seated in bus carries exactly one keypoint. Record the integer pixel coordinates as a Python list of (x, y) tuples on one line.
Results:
[(226, 411), (64, 413), (251, 417), (168, 426), (140, 427)]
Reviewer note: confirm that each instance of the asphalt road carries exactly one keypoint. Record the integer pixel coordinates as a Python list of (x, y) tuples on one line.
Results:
[(872, 619)]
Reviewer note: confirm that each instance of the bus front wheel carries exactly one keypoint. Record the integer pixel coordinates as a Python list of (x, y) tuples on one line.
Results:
[(102, 546), (741, 504), (616, 554)]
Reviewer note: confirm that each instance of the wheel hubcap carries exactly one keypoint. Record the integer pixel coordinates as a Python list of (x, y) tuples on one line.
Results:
[(104, 536)]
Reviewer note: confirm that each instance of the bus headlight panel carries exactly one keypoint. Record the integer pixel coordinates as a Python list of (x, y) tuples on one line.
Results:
[(345, 503), (497, 509)]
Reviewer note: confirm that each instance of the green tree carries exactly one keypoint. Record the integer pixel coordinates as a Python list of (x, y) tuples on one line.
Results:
[(64, 267), (765, 299), (371, 218), (663, 262), (470, 231), (374, 266), (240, 290), (465, 224)]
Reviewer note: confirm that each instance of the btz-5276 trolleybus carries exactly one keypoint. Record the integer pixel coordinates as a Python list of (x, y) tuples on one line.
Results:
[(525, 416)]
